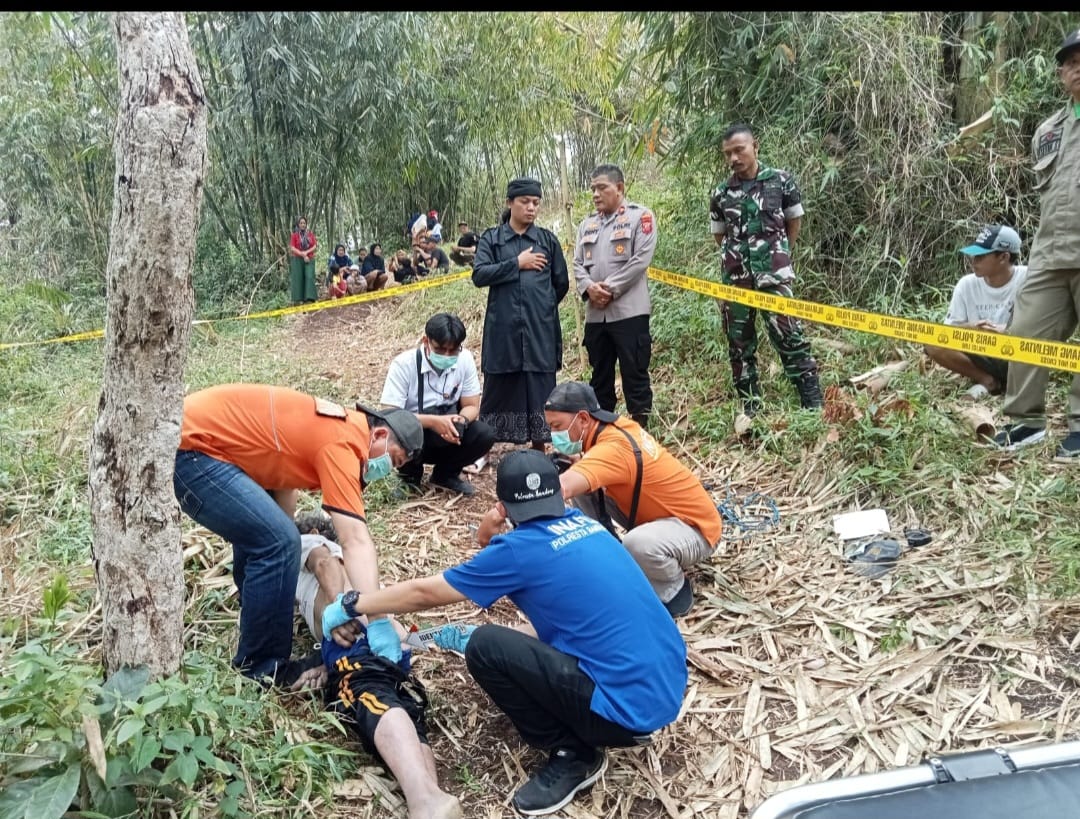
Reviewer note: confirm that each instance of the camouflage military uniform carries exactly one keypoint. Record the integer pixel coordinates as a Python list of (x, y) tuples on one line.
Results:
[(751, 214)]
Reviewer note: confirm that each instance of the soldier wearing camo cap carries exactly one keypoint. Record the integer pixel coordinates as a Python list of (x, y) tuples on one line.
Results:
[(755, 217)]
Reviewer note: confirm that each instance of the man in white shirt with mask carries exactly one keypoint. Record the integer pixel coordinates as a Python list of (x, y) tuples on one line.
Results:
[(438, 382)]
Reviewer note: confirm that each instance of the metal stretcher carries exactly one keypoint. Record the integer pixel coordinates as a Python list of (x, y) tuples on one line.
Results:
[(1035, 782)]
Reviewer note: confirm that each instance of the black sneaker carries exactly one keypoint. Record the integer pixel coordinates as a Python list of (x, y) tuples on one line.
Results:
[(683, 600), (454, 484), (1069, 449), (1018, 435), (554, 785), (288, 672)]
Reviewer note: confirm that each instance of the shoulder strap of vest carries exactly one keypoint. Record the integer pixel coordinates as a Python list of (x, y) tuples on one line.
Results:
[(638, 478)]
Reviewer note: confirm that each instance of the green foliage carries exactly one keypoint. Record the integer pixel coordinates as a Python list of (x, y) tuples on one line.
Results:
[(898, 635), (55, 597), (468, 780), (353, 119), (58, 112), (38, 309), (865, 112), (192, 739)]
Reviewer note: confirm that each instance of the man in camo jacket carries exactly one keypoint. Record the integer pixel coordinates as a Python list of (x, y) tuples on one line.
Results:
[(755, 217)]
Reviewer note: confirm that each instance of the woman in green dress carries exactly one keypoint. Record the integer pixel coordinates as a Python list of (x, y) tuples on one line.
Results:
[(302, 247)]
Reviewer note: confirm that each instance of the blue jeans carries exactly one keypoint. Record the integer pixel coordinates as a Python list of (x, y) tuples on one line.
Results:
[(266, 552)]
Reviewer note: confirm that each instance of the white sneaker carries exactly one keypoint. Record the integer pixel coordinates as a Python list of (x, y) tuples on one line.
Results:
[(475, 467), (976, 393)]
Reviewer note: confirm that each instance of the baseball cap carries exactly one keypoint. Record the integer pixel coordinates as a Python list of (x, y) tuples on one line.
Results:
[(403, 424), (1071, 41), (574, 396), (993, 238), (527, 483)]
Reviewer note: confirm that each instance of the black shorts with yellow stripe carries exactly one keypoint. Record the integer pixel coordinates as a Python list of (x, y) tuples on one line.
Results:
[(360, 692)]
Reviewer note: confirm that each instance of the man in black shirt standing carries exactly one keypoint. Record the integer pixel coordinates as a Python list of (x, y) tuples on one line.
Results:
[(523, 267), (465, 250)]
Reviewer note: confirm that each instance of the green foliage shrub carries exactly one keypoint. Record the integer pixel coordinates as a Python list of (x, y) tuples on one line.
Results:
[(69, 741), (864, 108)]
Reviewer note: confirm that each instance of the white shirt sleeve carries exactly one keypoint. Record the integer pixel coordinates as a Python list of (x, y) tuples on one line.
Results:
[(399, 389), (470, 381), (958, 306)]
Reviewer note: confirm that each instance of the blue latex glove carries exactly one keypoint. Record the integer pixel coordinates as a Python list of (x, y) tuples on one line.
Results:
[(383, 640), (333, 616), (453, 638)]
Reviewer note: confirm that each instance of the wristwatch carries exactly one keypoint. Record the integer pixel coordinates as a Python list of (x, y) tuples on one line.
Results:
[(348, 602)]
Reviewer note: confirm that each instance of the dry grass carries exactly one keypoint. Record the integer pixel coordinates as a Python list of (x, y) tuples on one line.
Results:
[(800, 669)]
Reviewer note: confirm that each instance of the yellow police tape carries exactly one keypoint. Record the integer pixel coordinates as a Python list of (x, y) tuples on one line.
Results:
[(1051, 354), (386, 293)]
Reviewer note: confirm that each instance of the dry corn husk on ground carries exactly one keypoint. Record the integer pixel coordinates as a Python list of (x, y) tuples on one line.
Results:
[(800, 670)]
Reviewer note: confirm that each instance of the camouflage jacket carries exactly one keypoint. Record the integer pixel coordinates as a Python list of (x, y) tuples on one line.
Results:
[(752, 219)]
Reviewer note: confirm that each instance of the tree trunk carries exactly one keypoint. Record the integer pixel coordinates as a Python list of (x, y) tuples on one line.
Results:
[(161, 164), (971, 98)]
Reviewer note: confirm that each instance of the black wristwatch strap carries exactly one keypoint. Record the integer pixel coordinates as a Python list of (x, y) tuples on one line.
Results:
[(348, 602)]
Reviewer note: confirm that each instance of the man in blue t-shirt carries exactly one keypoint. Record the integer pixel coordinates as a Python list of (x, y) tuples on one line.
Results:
[(604, 664)]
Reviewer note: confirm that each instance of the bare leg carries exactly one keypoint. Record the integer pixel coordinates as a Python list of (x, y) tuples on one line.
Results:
[(413, 764), (962, 365)]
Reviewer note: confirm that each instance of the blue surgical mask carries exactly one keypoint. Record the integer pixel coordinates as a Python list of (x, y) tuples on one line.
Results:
[(378, 468), (560, 442), (442, 362)]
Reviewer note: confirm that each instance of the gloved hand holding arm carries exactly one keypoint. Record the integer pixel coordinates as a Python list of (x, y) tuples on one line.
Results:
[(334, 615), (384, 640), (411, 595)]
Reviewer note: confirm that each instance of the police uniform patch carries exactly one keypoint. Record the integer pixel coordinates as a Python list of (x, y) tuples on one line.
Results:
[(620, 248), (588, 254), (646, 223), (329, 409), (620, 234), (1049, 143), (649, 445)]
